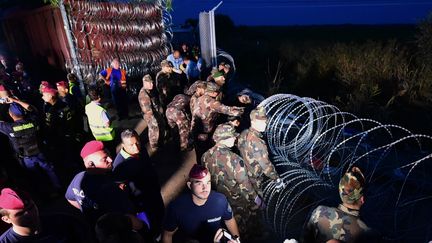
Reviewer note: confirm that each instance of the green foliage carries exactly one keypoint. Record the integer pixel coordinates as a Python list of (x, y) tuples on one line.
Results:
[(370, 79)]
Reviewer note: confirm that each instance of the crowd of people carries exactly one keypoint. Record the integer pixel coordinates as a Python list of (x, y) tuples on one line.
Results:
[(120, 199)]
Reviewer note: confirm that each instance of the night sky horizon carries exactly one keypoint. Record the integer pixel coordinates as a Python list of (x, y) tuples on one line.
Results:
[(307, 12)]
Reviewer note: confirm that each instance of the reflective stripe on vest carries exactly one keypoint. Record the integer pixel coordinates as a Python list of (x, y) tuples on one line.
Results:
[(71, 85), (122, 79), (99, 130), (24, 139)]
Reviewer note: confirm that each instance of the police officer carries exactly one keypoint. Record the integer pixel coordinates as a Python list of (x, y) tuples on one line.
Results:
[(94, 191), (342, 223), (150, 108), (76, 108), (22, 134), (197, 216), (177, 115), (253, 150), (58, 117)]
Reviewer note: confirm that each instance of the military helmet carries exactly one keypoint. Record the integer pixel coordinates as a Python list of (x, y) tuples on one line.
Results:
[(258, 114), (351, 186), (224, 131)]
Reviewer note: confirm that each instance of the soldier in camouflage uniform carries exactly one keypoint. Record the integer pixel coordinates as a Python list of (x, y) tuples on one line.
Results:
[(150, 108), (341, 223), (207, 109), (253, 150), (177, 115), (169, 83), (196, 90), (229, 174)]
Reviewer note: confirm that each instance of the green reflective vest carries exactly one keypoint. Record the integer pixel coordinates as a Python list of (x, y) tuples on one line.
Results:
[(100, 131)]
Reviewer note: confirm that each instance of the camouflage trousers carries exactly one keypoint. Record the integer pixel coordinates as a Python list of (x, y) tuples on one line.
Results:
[(178, 118), (155, 127), (256, 182), (248, 218)]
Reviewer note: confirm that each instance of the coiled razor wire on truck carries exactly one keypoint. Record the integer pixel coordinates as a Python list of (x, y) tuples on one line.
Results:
[(137, 32)]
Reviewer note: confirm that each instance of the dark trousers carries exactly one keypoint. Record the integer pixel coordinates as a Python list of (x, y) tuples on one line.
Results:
[(120, 100), (36, 162)]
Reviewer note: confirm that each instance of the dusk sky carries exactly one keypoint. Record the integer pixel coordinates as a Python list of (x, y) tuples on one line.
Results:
[(308, 12)]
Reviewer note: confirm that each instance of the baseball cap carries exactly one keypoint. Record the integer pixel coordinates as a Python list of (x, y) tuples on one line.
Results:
[(198, 172), (351, 186), (258, 114), (3, 88), (16, 109), (224, 131), (91, 147), (10, 199)]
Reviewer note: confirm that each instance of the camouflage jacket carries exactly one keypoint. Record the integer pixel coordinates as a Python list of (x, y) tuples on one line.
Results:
[(207, 108), (338, 223), (228, 173), (148, 103), (253, 150), (191, 90), (180, 102)]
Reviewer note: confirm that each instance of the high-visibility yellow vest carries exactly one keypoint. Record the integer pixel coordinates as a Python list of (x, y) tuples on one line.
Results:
[(98, 127)]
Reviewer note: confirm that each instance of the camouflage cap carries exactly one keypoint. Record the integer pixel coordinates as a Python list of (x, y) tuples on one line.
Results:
[(258, 114), (212, 87), (147, 78), (224, 131), (351, 186), (198, 84)]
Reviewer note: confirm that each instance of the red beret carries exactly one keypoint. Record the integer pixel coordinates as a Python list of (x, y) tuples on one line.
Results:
[(9, 199), (49, 90), (62, 84), (44, 84), (3, 88), (198, 172), (91, 147)]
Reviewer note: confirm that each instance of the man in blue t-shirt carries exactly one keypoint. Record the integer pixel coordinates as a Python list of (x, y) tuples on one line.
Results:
[(200, 214), (115, 78)]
